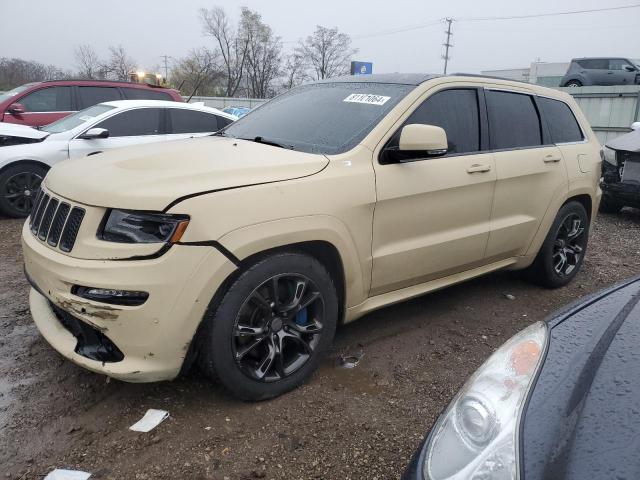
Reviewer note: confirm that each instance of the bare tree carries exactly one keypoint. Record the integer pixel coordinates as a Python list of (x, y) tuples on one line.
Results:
[(233, 46), (120, 65), (16, 71), (199, 73), (328, 52), (264, 56), (87, 62), (293, 71)]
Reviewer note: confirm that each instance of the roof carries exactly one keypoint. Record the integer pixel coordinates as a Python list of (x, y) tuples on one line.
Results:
[(166, 104), (397, 78), (102, 80)]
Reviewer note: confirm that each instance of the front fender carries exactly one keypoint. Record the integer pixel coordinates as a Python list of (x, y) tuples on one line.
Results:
[(247, 241)]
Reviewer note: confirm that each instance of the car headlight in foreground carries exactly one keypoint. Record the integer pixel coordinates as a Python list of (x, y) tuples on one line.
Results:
[(127, 226), (477, 436)]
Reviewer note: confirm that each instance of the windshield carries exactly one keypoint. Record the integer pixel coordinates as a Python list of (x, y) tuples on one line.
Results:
[(76, 119), (14, 92), (325, 118)]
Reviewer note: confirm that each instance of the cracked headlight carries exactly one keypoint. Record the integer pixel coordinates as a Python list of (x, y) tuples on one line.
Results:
[(476, 437), (128, 226)]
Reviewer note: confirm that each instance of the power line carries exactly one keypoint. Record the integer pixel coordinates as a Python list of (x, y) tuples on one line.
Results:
[(554, 14)]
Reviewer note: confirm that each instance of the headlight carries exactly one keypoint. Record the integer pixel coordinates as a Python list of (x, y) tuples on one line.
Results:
[(476, 437), (610, 156), (126, 226)]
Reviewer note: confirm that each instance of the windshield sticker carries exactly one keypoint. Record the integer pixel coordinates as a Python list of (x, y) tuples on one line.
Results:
[(367, 98)]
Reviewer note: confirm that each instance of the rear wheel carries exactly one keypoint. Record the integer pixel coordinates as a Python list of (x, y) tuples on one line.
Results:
[(19, 184), (608, 205), (573, 83), (563, 251), (269, 332)]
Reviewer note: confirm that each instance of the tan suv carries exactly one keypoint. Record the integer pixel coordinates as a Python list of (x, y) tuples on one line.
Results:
[(244, 250)]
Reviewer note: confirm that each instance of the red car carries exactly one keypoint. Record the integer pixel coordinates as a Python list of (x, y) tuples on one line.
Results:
[(41, 103)]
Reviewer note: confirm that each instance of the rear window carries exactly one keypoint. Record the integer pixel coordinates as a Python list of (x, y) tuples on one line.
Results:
[(93, 95), (513, 120), (145, 94), (563, 126), (594, 63), (189, 121)]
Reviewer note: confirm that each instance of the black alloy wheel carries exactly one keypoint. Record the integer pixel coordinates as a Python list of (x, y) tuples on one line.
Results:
[(569, 245), (19, 185), (562, 253), (278, 327), (266, 330)]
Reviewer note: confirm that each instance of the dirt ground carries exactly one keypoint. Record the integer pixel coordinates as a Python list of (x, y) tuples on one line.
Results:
[(344, 424)]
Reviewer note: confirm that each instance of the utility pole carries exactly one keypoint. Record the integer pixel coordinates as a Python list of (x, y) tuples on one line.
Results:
[(447, 44), (166, 66)]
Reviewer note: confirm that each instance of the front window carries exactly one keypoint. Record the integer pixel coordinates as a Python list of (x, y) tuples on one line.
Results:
[(76, 119), (324, 118)]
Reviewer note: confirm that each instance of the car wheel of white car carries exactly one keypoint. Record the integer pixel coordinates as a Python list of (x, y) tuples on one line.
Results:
[(19, 184)]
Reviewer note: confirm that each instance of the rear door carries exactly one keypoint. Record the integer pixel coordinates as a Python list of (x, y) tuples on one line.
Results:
[(131, 127), (184, 123), (42, 106), (530, 171), (596, 70)]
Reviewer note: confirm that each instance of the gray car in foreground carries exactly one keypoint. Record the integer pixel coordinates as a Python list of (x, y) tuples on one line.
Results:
[(559, 401), (602, 71)]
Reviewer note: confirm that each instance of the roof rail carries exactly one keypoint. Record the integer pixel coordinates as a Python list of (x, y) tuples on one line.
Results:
[(101, 80), (491, 77)]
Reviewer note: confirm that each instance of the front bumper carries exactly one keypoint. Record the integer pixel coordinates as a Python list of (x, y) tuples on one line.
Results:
[(626, 193), (154, 337)]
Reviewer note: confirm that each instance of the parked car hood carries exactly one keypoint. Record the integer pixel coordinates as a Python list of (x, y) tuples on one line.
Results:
[(583, 416), (150, 177), (21, 131), (629, 142)]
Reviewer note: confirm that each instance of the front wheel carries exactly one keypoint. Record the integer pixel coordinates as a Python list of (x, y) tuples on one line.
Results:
[(563, 251), (19, 184), (268, 333)]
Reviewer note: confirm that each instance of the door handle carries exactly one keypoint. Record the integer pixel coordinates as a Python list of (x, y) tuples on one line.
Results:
[(551, 158), (478, 168)]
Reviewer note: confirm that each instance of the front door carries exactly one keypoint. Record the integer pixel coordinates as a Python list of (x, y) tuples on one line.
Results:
[(432, 215), (42, 107), (530, 172), (131, 127)]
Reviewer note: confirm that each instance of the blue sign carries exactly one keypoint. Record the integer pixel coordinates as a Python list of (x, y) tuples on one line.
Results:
[(361, 68)]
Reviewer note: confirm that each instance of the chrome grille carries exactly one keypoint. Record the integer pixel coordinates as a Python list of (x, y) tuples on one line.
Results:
[(55, 222)]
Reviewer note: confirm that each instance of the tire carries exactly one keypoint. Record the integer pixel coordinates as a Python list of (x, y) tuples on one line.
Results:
[(18, 186), (566, 238), (573, 83), (608, 205), (243, 332)]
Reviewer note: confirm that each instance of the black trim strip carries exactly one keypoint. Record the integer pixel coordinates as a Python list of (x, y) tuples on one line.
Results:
[(218, 246), (31, 282)]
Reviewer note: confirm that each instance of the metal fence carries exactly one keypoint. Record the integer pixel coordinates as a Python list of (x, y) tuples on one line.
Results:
[(609, 110), (222, 102)]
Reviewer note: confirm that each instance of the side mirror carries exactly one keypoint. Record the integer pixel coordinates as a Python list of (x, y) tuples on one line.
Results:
[(16, 108), (417, 141), (94, 133), (629, 68)]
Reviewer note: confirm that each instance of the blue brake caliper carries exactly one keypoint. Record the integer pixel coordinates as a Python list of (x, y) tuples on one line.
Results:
[(301, 317)]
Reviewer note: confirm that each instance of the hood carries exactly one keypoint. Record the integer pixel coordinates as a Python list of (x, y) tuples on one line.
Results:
[(21, 131), (150, 177), (629, 142), (582, 420)]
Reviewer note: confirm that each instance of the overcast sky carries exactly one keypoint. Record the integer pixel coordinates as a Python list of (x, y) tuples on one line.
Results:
[(48, 31)]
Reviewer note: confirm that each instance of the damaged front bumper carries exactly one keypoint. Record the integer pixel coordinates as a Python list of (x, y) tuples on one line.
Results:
[(143, 343), (624, 193)]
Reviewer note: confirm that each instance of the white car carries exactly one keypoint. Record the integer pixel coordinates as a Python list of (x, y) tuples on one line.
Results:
[(27, 153)]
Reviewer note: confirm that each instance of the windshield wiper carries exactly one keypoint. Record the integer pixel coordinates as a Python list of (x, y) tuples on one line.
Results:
[(265, 141)]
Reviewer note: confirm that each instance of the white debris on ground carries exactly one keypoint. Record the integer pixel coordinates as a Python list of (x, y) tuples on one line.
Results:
[(60, 474), (151, 420)]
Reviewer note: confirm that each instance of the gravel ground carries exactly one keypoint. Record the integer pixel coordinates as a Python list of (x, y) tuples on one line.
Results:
[(344, 424)]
